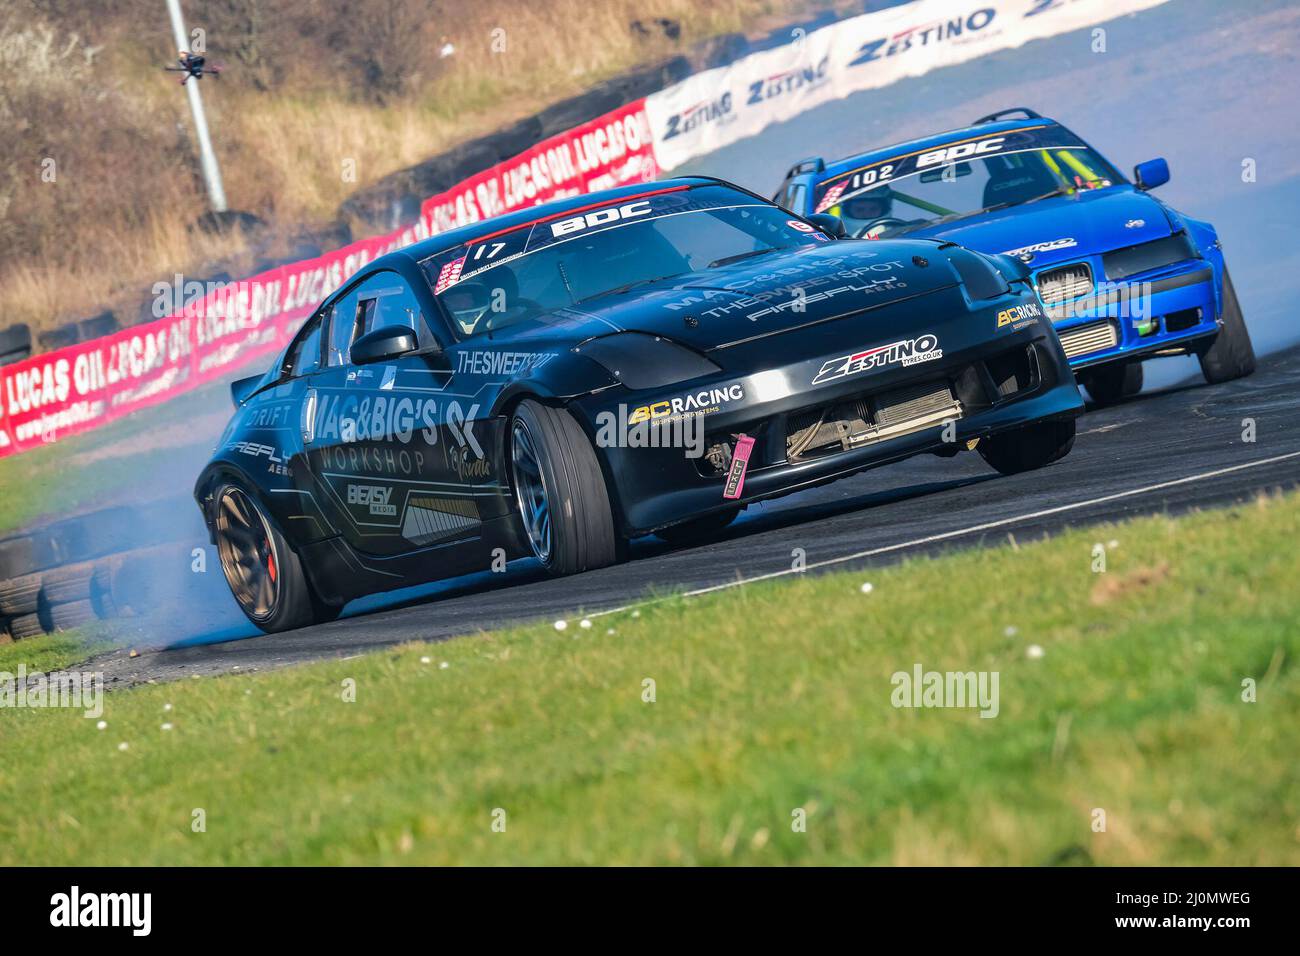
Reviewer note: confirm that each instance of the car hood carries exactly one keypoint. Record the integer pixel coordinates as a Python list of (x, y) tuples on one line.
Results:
[(1063, 227), (752, 298)]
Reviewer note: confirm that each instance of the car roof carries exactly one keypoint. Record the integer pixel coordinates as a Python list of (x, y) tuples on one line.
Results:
[(455, 237), (978, 131)]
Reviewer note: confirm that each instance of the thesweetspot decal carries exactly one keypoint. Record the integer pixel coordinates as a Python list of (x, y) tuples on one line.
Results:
[(904, 352)]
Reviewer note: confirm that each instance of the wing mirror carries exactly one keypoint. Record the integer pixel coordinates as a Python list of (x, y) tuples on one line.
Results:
[(383, 344), (833, 225), (1152, 173)]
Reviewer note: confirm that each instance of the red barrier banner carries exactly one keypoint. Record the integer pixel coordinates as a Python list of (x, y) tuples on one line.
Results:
[(611, 150), (207, 336)]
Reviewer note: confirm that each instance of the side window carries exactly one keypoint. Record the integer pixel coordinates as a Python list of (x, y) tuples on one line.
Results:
[(304, 356), (387, 300), (794, 197), (345, 328)]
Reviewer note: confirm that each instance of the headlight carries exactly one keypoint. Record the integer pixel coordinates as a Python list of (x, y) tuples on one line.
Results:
[(1145, 256), (639, 360)]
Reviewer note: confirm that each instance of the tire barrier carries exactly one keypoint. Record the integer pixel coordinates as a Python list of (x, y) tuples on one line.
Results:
[(15, 344), (74, 571)]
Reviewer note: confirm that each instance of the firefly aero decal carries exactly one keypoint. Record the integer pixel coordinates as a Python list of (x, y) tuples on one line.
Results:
[(905, 352), (739, 465)]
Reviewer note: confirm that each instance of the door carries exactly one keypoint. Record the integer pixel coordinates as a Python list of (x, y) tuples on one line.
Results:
[(396, 452)]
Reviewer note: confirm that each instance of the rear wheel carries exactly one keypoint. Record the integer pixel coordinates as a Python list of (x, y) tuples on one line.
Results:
[(1111, 383), (1030, 447), (563, 502), (264, 573), (1231, 354), (698, 529)]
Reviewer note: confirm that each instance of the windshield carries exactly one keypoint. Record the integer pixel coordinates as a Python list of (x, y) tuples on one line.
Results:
[(895, 195), (564, 260)]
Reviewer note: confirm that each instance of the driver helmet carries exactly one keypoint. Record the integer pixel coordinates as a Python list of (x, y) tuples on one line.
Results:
[(867, 207), (467, 302)]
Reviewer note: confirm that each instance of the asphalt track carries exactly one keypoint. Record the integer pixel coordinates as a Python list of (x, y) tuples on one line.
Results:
[(1167, 451), (1170, 76)]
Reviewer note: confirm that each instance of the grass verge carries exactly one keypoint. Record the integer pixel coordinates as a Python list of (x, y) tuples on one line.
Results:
[(1119, 691)]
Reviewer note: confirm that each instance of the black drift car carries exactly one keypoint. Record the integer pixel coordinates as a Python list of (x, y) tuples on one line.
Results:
[(556, 381)]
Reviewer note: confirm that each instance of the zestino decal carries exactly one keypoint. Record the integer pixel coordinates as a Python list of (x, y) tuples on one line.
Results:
[(1020, 315), (924, 348), (703, 402), (927, 34), (708, 111), (787, 81), (1063, 243)]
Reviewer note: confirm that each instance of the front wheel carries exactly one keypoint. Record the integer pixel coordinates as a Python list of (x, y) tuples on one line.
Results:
[(560, 491), (1030, 447), (264, 573), (1231, 354)]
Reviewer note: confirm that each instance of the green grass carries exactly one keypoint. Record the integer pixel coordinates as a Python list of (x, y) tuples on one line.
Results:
[(770, 698), (51, 652)]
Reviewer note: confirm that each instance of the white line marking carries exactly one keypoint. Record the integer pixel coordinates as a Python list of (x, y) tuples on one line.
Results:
[(973, 529)]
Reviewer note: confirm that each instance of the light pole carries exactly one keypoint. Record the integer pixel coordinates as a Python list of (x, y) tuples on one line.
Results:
[(211, 172)]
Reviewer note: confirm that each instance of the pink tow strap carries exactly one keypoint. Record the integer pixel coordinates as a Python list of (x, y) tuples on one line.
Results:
[(739, 464)]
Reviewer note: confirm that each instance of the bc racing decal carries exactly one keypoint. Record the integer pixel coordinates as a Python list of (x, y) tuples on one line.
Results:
[(1020, 316), (703, 402)]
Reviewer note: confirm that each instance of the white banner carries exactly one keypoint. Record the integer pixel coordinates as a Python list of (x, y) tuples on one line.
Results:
[(713, 109)]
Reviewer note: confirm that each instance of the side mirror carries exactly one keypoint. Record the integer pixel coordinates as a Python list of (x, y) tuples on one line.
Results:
[(1152, 173), (829, 224), (383, 344)]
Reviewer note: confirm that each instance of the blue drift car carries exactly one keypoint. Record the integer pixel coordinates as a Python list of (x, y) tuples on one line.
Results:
[(1124, 276)]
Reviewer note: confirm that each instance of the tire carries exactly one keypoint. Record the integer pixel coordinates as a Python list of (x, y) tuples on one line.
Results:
[(69, 583), (15, 338), (1231, 354), (699, 529), (26, 553), (26, 625), (560, 492), (20, 595), (1032, 446), (1112, 383), (101, 591), (74, 614), (263, 571)]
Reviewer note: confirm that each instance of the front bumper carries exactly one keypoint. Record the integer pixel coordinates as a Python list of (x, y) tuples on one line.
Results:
[(1168, 311), (655, 487)]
